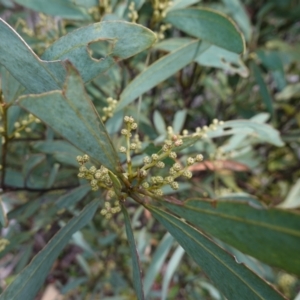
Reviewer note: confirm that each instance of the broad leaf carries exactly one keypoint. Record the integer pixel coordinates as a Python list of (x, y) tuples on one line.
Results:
[(234, 280), (29, 281), (270, 235), (75, 46), (71, 113), (160, 71), (137, 272), (238, 12), (64, 9), (39, 76), (16, 56), (209, 26)]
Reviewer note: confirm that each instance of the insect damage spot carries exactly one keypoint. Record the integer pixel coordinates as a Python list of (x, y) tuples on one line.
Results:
[(100, 49)]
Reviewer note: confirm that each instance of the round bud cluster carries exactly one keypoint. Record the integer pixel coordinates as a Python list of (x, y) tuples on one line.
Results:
[(147, 160), (187, 174), (23, 125), (122, 149), (160, 164), (201, 132), (96, 177), (190, 161), (137, 142), (108, 211), (158, 192), (143, 173), (133, 15), (199, 157), (160, 10), (109, 110)]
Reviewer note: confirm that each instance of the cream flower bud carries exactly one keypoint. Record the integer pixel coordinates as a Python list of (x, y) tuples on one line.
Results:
[(93, 169), (133, 126), (145, 185), (154, 156), (122, 149), (177, 167), (160, 164), (190, 161), (174, 185), (199, 157), (173, 155), (187, 174), (146, 160), (85, 158)]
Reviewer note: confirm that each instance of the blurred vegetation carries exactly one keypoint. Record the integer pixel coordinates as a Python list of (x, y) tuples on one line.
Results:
[(41, 190)]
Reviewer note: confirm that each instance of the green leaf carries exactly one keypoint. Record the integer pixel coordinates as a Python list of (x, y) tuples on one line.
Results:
[(72, 197), (290, 91), (213, 56), (170, 270), (59, 8), (179, 120), (208, 25), (218, 57), (256, 130), (71, 113), (160, 71), (270, 235), (30, 280), (11, 88), (293, 198), (179, 4), (17, 57), (234, 280), (265, 94), (3, 216), (76, 46), (158, 258), (274, 63), (62, 151), (159, 123), (40, 76), (137, 272), (237, 11)]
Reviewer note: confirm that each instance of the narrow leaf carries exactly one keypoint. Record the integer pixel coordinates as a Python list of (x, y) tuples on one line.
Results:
[(71, 113), (270, 235), (171, 268), (29, 281), (234, 280), (137, 272), (72, 197), (3, 216), (157, 261), (265, 94), (209, 26), (293, 198), (160, 71), (213, 56)]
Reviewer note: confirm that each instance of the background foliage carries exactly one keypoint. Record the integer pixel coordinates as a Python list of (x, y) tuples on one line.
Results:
[(67, 81)]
